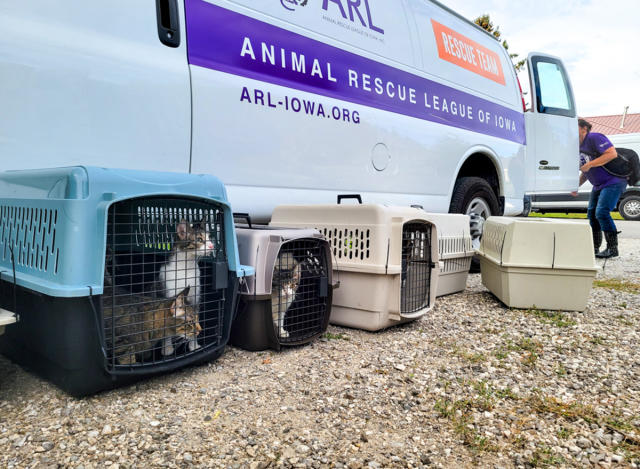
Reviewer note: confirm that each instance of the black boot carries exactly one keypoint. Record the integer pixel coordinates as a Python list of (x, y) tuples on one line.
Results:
[(612, 245), (597, 240)]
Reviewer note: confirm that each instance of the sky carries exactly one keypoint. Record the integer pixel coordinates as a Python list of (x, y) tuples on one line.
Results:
[(598, 42)]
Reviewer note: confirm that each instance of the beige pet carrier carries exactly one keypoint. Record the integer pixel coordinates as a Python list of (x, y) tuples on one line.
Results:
[(386, 260), (547, 264), (454, 249)]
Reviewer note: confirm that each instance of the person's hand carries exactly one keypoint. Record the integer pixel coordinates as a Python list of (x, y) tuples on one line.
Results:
[(585, 167), (574, 194)]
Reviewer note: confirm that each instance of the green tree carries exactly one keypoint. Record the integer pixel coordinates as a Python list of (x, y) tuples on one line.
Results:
[(485, 23)]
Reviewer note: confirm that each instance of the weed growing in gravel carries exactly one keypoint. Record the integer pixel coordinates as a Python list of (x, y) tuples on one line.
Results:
[(459, 414), (624, 320), (469, 356), (488, 395), (555, 318), (530, 345), (564, 433), (338, 336), (623, 304), (630, 451), (561, 370), (571, 411), (617, 422), (597, 340), (543, 456), (618, 285)]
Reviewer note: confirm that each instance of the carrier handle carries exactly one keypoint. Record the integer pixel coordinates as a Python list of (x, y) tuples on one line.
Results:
[(243, 216), (349, 196)]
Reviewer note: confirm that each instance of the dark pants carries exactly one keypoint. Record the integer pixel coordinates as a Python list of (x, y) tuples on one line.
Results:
[(601, 203)]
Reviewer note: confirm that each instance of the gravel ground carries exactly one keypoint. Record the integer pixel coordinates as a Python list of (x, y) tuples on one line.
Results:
[(473, 383)]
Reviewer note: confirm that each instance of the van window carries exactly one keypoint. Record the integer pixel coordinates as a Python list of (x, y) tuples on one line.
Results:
[(552, 89)]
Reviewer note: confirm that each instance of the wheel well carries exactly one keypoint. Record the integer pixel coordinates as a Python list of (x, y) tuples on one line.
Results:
[(480, 165)]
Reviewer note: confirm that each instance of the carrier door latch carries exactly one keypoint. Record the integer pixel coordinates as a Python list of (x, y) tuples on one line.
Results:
[(323, 287), (221, 275), (168, 22)]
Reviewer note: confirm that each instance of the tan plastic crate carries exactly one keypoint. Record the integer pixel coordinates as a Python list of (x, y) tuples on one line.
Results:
[(547, 264), (454, 249), (385, 258)]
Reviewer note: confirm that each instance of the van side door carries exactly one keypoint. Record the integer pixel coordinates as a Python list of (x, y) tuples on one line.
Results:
[(552, 128), (94, 83)]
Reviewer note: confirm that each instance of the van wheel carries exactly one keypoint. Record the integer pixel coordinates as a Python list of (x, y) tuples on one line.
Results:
[(474, 196), (629, 207)]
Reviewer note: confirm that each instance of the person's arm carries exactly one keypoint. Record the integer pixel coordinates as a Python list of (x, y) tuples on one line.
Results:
[(583, 179), (609, 154)]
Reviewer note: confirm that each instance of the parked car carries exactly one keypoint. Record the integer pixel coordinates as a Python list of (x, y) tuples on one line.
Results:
[(628, 206)]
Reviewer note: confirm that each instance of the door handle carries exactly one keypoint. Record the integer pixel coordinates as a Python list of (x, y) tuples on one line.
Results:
[(168, 22)]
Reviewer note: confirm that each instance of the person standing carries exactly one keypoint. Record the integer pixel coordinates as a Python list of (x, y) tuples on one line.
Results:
[(595, 151)]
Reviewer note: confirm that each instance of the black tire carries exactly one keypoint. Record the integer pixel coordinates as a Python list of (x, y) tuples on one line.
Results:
[(629, 207), (468, 192)]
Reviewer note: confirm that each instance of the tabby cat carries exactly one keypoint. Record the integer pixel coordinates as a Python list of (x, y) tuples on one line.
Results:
[(139, 323), (287, 274), (181, 269)]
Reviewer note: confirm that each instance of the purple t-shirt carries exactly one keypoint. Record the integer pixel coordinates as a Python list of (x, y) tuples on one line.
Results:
[(594, 145)]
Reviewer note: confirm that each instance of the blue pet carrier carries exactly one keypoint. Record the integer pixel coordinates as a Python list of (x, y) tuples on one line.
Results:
[(115, 274)]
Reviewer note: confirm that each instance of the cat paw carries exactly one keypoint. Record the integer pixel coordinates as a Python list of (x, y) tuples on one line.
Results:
[(168, 350), (194, 345), (283, 333), (129, 359)]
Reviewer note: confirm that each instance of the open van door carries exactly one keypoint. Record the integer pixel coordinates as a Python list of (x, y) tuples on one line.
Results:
[(552, 128)]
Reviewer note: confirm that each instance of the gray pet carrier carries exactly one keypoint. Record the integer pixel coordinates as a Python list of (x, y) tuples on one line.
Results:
[(288, 301)]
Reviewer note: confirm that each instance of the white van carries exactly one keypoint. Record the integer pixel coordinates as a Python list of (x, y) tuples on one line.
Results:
[(628, 205), (403, 102)]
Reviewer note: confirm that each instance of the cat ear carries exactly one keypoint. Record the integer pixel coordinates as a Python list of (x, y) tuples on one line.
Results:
[(181, 229)]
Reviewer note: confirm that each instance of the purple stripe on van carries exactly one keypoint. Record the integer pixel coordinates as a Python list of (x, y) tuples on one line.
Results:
[(223, 40)]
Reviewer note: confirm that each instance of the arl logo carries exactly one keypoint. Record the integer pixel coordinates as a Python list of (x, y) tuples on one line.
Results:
[(292, 4), (355, 9)]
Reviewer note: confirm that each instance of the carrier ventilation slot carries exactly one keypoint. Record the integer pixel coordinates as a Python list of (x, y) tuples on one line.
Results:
[(347, 243), (416, 267), (299, 301), (156, 248), (32, 234)]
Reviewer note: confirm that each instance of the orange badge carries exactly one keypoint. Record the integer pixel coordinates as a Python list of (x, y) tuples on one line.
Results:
[(462, 51)]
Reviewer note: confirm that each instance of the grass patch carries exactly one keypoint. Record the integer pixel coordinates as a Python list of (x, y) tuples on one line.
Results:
[(624, 320), (469, 356), (459, 414), (618, 285), (543, 456), (564, 433), (630, 452), (575, 216), (571, 411), (338, 336), (555, 318)]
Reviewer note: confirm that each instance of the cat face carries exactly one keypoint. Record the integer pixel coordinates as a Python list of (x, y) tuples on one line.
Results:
[(287, 271), (193, 237)]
